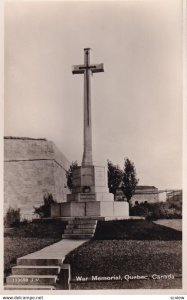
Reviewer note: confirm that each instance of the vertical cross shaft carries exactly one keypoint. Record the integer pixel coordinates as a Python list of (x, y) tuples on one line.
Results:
[(87, 154), (87, 69)]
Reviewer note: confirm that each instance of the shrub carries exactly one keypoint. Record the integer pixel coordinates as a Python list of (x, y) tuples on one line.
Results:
[(12, 217), (44, 211), (154, 211)]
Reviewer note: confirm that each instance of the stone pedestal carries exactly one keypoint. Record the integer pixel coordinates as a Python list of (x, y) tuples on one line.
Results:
[(90, 197), (89, 179), (89, 184)]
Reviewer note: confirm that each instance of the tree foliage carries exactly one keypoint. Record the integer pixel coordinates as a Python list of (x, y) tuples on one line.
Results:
[(130, 180), (69, 174), (44, 211), (124, 179), (115, 175), (12, 217)]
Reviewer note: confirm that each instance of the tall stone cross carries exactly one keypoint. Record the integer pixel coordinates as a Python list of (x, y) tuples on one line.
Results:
[(87, 70)]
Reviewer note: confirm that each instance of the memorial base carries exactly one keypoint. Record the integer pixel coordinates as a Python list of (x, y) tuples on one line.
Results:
[(111, 209), (90, 197)]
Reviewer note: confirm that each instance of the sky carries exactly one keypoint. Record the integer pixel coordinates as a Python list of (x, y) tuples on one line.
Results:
[(136, 102)]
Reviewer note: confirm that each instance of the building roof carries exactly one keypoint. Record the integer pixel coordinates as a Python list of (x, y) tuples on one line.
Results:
[(23, 138), (145, 187)]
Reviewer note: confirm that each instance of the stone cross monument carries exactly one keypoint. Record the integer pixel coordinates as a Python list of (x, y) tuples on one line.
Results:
[(90, 196), (87, 69)]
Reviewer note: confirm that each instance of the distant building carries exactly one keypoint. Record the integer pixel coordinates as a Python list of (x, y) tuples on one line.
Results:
[(32, 167), (143, 193), (175, 195), (174, 201)]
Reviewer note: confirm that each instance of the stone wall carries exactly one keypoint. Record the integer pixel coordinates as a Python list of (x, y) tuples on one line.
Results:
[(32, 167)]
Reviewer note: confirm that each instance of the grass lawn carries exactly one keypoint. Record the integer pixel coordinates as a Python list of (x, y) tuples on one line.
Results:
[(121, 257), (141, 248)]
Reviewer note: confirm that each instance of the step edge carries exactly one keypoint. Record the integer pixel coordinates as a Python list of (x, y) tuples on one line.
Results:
[(30, 276), (12, 285), (35, 267)]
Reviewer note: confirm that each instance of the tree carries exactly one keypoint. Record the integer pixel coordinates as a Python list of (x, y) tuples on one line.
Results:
[(130, 180), (115, 176), (44, 211), (69, 174)]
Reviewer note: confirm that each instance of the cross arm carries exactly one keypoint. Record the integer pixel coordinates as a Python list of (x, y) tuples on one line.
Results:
[(97, 68), (78, 69)]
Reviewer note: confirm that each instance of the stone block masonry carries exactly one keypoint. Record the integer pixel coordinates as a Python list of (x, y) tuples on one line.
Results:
[(32, 167)]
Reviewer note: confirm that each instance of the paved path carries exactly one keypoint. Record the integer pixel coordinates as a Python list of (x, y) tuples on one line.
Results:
[(172, 223), (57, 251)]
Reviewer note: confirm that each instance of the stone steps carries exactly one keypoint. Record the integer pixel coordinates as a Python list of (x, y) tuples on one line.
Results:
[(39, 261), (35, 270), (29, 287), (31, 280), (44, 269), (79, 221), (39, 274), (79, 231), (75, 236), (80, 228)]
